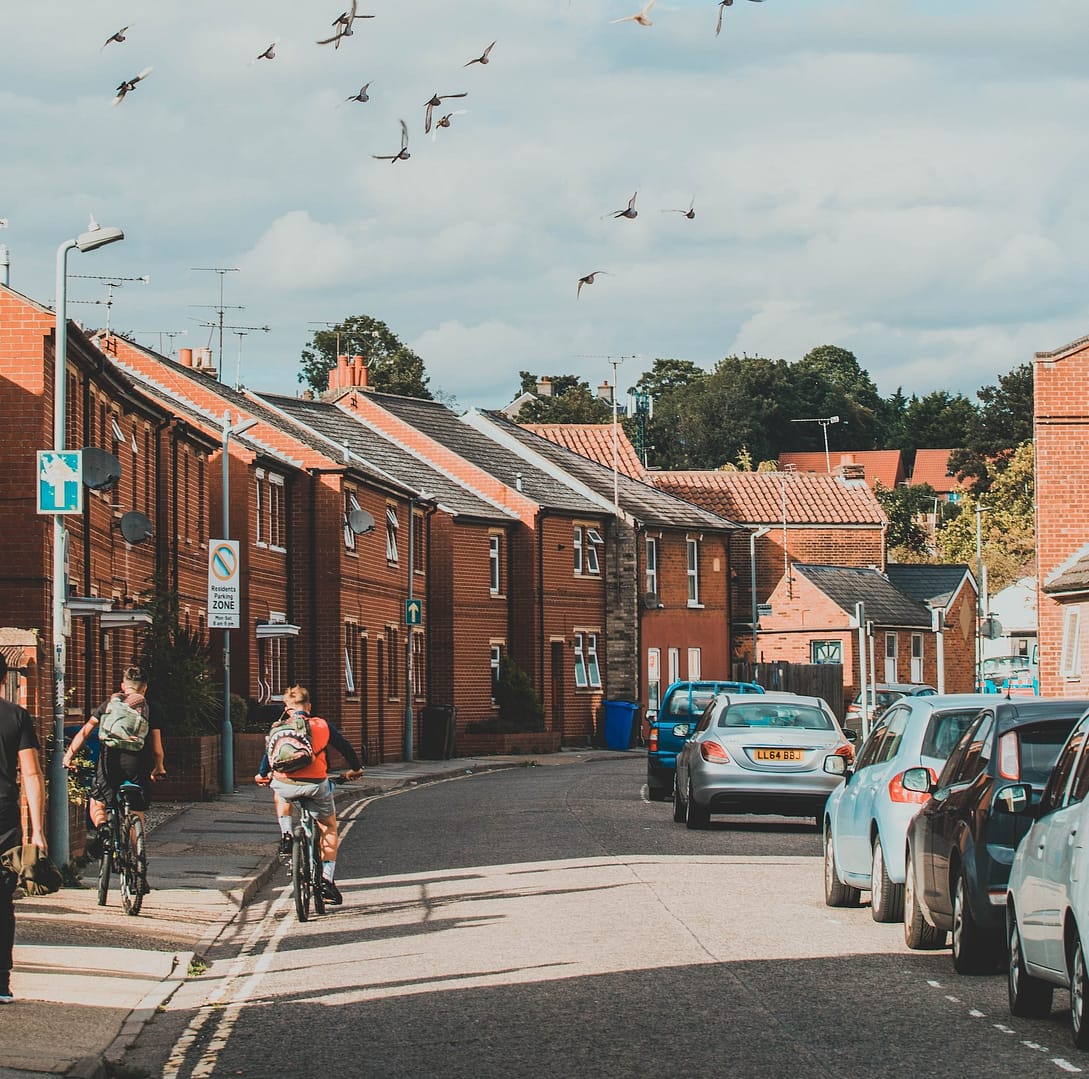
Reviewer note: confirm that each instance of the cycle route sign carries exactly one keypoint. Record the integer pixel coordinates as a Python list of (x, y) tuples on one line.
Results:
[(224, 585)]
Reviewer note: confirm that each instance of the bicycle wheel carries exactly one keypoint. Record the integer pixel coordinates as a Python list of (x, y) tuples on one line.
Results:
[(133, 867), (300, 874), (104, 874), (315, 871)]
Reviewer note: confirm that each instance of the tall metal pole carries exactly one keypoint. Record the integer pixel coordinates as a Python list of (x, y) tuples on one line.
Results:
[(754, 535)]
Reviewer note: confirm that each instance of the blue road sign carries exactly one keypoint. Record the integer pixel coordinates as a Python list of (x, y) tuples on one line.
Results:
[(414, 612), (60, 481)]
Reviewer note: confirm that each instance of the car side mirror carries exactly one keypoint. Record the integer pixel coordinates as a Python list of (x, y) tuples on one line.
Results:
[(682, 730), (851, 736), (918, 780), (1016, 798), (835, 764)]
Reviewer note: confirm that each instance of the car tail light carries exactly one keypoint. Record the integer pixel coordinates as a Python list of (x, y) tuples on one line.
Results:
[(898, 794), (652, 741), (1009, 756), (713, 752), (847, 751)]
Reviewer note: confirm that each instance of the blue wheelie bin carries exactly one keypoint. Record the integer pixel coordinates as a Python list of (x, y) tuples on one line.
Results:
[(619, 723)]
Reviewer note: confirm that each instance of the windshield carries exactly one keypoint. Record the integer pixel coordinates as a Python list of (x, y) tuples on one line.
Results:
[(799, 716), (944, 730)]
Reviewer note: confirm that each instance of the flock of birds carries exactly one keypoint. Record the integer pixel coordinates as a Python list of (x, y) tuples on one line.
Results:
[(342, 28)]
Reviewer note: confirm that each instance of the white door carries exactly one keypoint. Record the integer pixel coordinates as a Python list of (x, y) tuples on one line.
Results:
[(890, 658)]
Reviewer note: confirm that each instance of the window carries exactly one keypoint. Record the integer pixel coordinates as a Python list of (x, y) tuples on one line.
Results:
[(825, 651), (417, 664), (654, 678), (1055, 790), (1080, 787), (916, 657), (202, 516), (576, 546), (496, 661), (147, 472), (1070, 659), (272, 679), (186, 523), (693, 573), (277, 521), (351, 505), (494, 541), (259, 479), (674, 655), (418, 542), (972, 754), (868, 754), (890, 657), (587, 672), (392, 682), (350, 634), (652, 565), (693, 664), (391, 533), (593, 542)]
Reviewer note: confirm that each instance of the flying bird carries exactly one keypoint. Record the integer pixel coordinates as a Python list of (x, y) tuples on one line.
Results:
[(269, 53), (361, 96), (690, 213), (641, 17), (130, 84), (631, 212), (342, 26), (483, 57), (119, 36), (436, 100), (587, 280), (403, 155), (444, 121), (725, 4)]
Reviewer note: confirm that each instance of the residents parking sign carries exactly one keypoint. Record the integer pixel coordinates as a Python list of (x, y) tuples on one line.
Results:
[(224, 585)]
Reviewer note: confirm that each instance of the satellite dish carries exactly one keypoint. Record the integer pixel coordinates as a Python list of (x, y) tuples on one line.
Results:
[(135, 527), (101, 470), (360, 522)]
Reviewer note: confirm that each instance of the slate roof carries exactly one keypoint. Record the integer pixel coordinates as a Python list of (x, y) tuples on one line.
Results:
[(593, 440), (885, 604), (933, 584), (1070, 576), (343, 428), (932, 466), (884, 465), (647, 504), (756, 498), (434, 420)]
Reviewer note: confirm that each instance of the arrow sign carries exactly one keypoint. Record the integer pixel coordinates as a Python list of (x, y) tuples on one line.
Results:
[(60, 481), (413, 612)]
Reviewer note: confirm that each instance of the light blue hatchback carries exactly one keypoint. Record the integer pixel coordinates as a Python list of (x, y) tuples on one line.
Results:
[(866, 817)]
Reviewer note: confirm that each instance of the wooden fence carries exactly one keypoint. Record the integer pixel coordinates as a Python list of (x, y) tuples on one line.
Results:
[(812, 679)]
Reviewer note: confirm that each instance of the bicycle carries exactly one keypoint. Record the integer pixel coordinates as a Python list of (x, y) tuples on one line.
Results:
[(306, 861), (125, 853)]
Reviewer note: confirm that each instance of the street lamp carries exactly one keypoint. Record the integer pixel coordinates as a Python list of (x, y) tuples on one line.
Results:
[(93, 238), (227, 738), (824, 421), (754, 535)]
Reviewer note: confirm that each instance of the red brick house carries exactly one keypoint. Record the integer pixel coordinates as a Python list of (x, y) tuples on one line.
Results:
[(787, 517), (1061, 443), (874, 466), (596, 441)]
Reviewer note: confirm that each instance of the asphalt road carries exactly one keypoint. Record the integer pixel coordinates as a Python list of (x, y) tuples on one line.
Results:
[(549, 921)]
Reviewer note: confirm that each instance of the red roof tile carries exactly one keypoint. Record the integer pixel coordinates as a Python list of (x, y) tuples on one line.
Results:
[(886, 466), (595, 441), (932, 466), (756, 498)]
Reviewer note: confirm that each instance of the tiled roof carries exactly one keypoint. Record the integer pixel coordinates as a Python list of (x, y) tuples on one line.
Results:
[(932, 466), (593, 440), (933, 584), (885, 605), (886, 466), (756, 498), (648, 504), (1071, 576), (438, 423), (343, 428)]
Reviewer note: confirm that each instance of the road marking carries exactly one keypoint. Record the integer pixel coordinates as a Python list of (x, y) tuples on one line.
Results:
[(1065, 1064), (975, 1013)]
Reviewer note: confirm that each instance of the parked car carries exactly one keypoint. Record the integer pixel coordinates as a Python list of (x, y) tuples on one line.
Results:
[(1047, 903), (959, 847), (758, 755), (866, 817), (887, 692), (1016, 676), (673, 723)]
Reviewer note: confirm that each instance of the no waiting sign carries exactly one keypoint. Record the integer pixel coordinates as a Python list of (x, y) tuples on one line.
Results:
[(224, 585)]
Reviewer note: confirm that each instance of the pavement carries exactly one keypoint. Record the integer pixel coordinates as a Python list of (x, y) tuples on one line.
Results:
[(88, 978)]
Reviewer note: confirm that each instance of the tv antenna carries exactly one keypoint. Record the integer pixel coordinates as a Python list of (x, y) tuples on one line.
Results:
[(824, 421), (171, 334), (241, 332), (111, 284), (220, 307), (346, 334)]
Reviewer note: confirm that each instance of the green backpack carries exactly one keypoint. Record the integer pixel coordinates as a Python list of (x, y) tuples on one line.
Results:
[(122, 726)]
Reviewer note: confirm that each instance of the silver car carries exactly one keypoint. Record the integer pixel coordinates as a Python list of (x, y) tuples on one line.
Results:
[(762, 754)]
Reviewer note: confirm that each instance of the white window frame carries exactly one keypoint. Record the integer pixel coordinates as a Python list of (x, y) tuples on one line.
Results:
[(824, 651), (674, 657), (277, 513), (593, 542), (391, 533), (580, 663), (1070, 656), (494, 563), (349, 674), (652, 565), (259, 479), (916, 657), (576, 547), (692, 568), (496, 661), (654, 679), (352, 504), (891, 653), (593, 671), (694, 664)]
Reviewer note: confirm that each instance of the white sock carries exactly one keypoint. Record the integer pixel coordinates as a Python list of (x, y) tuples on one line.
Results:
[(328, 870), (285, 824)]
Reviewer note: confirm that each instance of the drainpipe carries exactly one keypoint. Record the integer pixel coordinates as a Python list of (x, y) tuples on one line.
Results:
[(938, 620)]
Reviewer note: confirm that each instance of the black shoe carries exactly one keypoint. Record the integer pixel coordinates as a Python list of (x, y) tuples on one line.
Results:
[(5, 991), (285, 845), (96, 842), (330, 892)]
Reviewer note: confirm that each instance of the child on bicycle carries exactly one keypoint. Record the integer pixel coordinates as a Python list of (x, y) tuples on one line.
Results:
[(310, 786)]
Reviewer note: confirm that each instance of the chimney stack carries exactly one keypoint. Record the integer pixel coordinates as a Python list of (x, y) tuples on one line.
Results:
[(185, 357)]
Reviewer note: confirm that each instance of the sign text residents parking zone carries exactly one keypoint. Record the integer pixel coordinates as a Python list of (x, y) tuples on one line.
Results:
[(224, 585)]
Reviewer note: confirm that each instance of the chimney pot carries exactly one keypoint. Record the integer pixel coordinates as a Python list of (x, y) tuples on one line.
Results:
[(185, 357)]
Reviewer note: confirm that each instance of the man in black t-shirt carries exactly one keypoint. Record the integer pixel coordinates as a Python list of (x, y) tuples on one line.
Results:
[(116, 765), (18, 756)]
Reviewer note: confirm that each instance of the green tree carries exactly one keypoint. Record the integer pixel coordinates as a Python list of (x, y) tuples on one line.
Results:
[(907, 539), (520, 708), (572, 401), (392, 367), (938, 421), (830, 382)]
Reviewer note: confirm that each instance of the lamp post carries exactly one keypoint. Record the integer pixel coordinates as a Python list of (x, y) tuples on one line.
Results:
[(227, 738), (754, 535), (824, 421), (93, 238)]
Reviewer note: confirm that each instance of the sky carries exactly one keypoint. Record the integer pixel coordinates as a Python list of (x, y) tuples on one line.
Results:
[(902, 179)]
